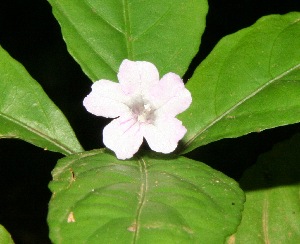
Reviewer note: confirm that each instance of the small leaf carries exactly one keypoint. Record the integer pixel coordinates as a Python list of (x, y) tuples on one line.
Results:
[(145, 200), (100, 34), (27, 113), (272, 209), (5, 237), (249, 82)]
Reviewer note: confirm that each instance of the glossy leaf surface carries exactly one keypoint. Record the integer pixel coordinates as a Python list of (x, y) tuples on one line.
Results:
[(249, 82), (149, 199), (100, 34), (5, 237), (27, 113), (272, 209)]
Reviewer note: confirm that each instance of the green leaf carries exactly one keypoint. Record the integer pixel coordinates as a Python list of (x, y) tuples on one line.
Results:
[(150, 199), (5, 237), (100, 34), (28, 114), (249, 82), (272, 209)]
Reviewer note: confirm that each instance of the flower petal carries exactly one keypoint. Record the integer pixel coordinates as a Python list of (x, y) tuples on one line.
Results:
[(137, 77), (107, 99), (163, 136), (124, 136), (169, 96)]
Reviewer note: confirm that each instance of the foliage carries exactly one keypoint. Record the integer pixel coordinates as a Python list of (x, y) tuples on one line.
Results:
[(272, 210), (242, 85), (27, 113), (100, 34), (248, 83), (5, 236), (150, 198)]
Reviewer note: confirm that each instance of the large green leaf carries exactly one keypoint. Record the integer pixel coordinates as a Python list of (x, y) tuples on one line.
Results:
[(249, 82), (101, 33), (28, 114), (5, 237), (150, 199), (272, 209)]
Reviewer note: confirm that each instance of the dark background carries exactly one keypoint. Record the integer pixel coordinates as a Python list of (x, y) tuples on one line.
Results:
[(29, 32)]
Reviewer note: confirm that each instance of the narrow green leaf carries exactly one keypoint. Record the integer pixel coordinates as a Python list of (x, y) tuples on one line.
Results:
[(150, 199), (28, 114), (272, 209), (249, 82), (100, 34), (5, 237)]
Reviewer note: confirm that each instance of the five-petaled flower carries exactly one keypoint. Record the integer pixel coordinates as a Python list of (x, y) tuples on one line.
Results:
[(143, 106)]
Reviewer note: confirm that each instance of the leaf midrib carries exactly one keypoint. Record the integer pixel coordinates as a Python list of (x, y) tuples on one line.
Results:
[(128, 35), (142, 196), (67, 151), (235, 106)]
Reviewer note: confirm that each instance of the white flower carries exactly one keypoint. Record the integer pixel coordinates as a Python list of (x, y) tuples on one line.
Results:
[(143, 106)]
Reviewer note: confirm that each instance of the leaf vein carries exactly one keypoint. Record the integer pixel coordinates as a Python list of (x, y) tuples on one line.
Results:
[(142, 196), (101, 17), (265, 221), (63, 13), (128, 34), (241, 102), (152, 25), (36, 132)]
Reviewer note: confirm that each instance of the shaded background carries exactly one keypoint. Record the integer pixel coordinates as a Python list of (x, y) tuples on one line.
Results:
[(29, 32)]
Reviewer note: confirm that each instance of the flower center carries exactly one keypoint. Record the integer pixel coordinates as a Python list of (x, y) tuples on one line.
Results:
[(143, 112), (145, 115)]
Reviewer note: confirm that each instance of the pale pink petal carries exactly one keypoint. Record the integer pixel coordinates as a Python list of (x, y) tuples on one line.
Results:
[(107, 99), (169, 96), (164, 134), (145, 105), (137, 77), (175, 105), (123, 136)]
